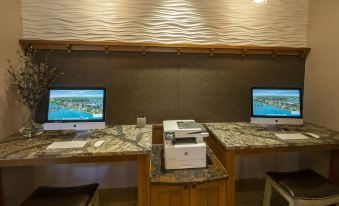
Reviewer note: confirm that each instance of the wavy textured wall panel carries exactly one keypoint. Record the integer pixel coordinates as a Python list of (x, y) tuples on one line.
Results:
[(233, 22)]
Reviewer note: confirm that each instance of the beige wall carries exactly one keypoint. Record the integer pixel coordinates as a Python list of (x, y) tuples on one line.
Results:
[(322, 66), (322, 76), (17, 182), (12, 115)]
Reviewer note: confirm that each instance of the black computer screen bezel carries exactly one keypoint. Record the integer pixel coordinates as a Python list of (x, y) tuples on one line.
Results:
[(277, 116), (76, 88)]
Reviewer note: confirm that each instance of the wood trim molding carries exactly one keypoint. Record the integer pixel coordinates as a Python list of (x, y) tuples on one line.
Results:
[(157, 134), (66, 160), (143, 48)]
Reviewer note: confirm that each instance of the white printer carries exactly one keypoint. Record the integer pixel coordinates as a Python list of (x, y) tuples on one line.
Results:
[(184, 145)]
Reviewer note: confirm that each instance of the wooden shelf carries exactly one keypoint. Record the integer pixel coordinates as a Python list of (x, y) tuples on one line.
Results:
[(110, 46)]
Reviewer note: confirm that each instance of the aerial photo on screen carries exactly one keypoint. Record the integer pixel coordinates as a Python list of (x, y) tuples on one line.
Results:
[(76, 105), (284, 103)]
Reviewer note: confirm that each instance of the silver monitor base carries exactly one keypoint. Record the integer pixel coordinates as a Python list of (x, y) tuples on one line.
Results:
[(74, 126), (275, 121)]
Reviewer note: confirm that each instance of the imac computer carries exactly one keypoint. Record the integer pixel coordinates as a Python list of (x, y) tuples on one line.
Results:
[(75, 109), (272, 106)]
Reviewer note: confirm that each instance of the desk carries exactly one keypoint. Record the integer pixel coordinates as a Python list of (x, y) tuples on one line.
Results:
[(122, 143), (229, 139)]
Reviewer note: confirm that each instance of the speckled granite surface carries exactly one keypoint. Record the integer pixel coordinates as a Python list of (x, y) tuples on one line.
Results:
[(241, 135), (119, 140), (213, 171)]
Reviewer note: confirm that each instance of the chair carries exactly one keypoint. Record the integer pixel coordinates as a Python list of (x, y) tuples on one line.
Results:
[(301, 188), (85, 195)]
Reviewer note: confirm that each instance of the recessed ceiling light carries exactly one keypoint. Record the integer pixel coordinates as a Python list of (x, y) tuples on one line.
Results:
[(260, 2)]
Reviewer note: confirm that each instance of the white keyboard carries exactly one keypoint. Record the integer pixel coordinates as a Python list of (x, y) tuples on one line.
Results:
[(67, 145), (295, 136)]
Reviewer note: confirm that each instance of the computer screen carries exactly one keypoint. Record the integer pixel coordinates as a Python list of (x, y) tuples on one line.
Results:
[(76, 105), (272, 102)]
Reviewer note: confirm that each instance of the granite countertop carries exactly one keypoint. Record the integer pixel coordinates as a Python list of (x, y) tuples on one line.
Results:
[(213, 171), (119, 140), (241, 135)]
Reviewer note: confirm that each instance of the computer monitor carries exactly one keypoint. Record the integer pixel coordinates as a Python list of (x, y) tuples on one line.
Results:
[(75, 109), (276, 106)]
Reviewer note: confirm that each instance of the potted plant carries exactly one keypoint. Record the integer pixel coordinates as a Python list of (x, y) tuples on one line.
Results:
[(32, 81)]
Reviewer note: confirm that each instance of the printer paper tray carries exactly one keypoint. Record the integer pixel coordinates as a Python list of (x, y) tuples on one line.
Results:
[(208, 162), (185, 164)]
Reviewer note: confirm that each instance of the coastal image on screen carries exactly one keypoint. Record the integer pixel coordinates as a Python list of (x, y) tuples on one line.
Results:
[(76, 105), (279, 103)]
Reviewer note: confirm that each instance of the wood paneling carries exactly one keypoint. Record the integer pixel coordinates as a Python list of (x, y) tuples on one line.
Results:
[(208, 194), (169, 195)]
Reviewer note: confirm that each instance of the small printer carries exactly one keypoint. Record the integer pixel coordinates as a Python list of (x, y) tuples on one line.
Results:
[(184, 145)]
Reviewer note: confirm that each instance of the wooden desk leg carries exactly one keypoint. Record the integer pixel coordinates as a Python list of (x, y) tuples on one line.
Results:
[(143, 170), (334, 166), (1, 189), (230, 187)]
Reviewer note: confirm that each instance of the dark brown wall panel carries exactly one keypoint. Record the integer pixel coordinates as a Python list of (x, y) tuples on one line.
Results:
[(167, 86)]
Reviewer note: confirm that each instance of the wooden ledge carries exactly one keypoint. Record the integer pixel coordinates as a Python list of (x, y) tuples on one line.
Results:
[(143, 48)]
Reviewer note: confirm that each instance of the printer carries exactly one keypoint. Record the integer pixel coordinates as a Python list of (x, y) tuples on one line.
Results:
[(184, 145)]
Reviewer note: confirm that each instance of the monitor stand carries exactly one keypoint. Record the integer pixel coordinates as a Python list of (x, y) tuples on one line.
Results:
[(81, 134), (273, 128)]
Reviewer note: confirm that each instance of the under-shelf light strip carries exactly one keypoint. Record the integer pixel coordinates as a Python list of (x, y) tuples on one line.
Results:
[(260, 2)]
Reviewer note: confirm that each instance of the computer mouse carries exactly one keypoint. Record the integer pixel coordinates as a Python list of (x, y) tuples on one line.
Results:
[(99, 143)]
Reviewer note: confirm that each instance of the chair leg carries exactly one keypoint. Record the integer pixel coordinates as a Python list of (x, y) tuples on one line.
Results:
[(268, 192)]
